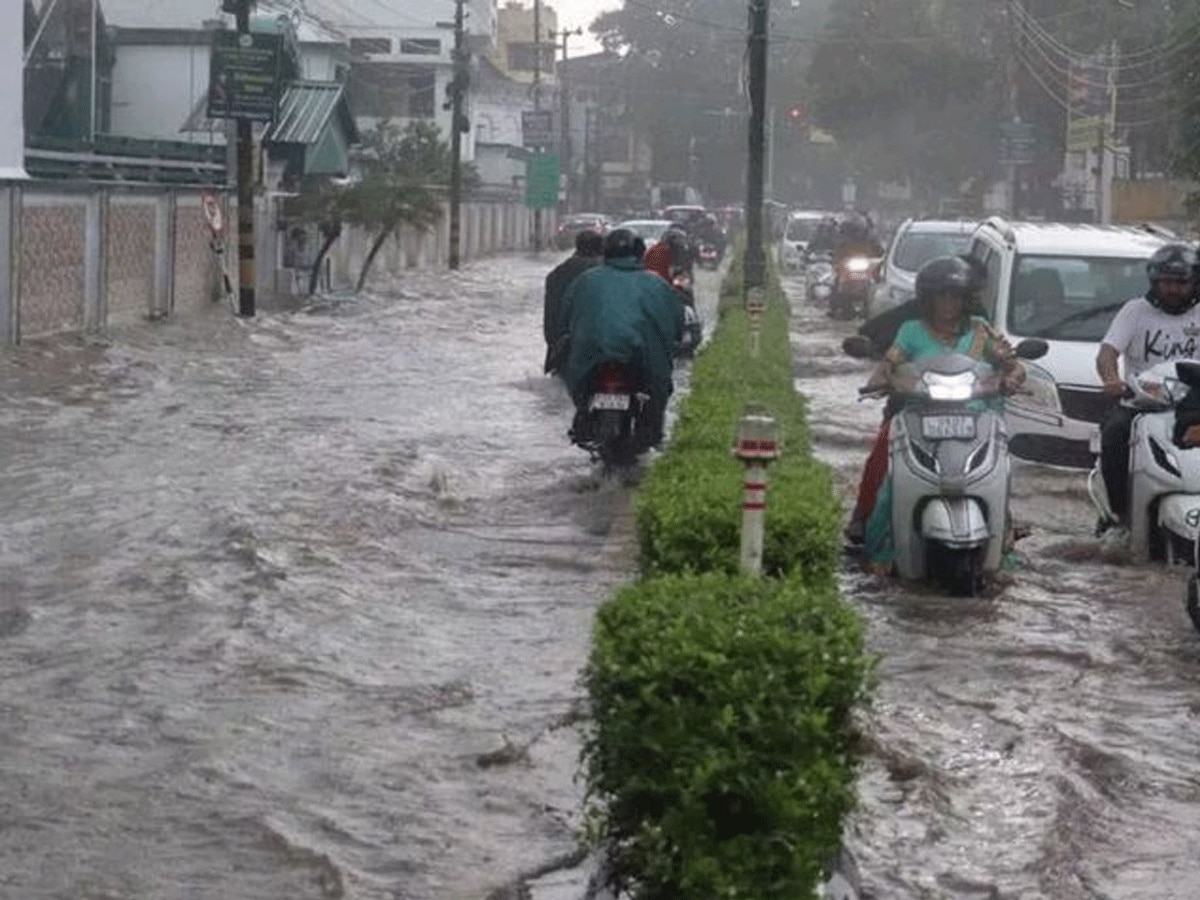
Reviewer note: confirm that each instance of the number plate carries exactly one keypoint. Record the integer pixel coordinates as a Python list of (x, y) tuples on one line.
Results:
[(942, 428), (610, 401), (1094, 442)]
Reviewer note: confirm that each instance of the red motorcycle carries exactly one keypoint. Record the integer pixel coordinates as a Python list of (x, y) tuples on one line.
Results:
[(852, 291)]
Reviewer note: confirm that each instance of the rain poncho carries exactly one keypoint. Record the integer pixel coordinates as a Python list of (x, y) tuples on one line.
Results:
[(621, 313)]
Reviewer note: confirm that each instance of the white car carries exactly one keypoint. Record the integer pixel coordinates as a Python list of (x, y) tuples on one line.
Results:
[(915, 243), (1062, 283), (799, 230), (649, 230)]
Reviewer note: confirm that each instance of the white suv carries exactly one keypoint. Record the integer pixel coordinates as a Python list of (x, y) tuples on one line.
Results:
[(1062, 283), (915, 243)]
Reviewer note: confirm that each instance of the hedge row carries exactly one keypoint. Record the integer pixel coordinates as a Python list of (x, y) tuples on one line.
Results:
[(721, 755)]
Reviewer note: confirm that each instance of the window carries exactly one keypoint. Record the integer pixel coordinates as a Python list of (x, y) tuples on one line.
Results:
[(521, 57), (376, 46), (420, 47), (918, 247), (392, 90), (1071, 298)]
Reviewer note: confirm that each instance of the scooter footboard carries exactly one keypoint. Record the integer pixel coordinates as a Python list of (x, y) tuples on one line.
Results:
[(955, 522)]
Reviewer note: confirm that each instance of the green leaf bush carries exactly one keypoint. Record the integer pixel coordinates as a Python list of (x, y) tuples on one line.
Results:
[(721, 754)]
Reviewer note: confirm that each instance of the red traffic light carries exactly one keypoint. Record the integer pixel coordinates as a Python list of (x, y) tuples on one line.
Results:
[(798, 113)]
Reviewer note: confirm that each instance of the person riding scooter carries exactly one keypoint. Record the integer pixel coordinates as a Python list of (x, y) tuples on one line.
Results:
[(620, 313), (945, 292), (1162, 326)]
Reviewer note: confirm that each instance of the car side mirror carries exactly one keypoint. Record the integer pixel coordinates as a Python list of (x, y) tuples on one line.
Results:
[(859, 346), (1032, 348)]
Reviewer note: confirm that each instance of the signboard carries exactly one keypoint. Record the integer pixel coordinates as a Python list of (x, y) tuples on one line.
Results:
[(1083, 134), (537, 129), (1018, 144), (541, 181), (244, 76), (12, 114)]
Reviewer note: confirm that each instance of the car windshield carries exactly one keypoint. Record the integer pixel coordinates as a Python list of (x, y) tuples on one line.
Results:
[(802, 229), (647, 231), (918, 247), (1071, 298)]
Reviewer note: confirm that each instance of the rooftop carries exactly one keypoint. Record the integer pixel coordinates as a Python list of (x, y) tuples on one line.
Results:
[(1075, 239)]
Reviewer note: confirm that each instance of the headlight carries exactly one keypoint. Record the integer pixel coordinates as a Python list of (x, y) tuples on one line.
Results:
[(1040, 391), (949, 387), (858, 265)]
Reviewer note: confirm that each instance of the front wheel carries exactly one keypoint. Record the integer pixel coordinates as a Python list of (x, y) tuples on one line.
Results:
[(960, 572), (1191, 595)]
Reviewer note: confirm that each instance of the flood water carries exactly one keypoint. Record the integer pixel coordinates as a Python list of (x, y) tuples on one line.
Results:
[(295, 608), (1040, 743)]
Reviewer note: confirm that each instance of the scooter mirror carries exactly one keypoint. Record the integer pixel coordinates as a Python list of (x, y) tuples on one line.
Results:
[(1188, 371), (859, 346), (1032, 348)]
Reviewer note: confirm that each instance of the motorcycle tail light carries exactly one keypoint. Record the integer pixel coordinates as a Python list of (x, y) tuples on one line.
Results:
[(611, 378)]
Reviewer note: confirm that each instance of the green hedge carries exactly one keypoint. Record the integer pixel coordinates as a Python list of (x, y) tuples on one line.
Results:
[(721, 754), (722, 735), (688, 511)]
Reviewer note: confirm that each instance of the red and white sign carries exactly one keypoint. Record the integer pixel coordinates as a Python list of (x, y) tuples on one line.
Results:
[(213, 214)]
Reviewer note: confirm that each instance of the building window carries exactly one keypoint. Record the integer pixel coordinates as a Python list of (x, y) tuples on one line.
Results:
[(521, 57), (371, 46), (392, 90), (420, 47)]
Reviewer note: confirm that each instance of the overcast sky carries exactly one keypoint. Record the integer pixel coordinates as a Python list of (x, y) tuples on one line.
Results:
[(580, 13)]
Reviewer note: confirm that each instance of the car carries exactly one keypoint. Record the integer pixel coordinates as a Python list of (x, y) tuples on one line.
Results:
[(1062, 283), (799, 230), (649, 230), (564, 236), (915, 243), (687, 215)]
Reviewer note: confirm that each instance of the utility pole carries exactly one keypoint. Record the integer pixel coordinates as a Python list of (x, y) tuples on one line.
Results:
[(564, 114), (537, 105), (755, 263), (457, 89), (247, 271)]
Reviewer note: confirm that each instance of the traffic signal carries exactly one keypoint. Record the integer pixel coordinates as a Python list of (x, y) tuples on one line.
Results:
[(798, 114)]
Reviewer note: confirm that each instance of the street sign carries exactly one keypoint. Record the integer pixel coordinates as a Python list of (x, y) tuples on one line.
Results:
[(1083, 133), (537, 129), (1018, 143), (541, 181), (244, 75)]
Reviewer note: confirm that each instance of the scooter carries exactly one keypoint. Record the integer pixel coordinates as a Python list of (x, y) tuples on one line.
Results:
[(1164, 477), (612, 429), (950, 467), (822, 279)]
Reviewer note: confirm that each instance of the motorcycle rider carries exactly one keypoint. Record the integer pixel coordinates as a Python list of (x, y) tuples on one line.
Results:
[(1163, 325), (618, 312), (881, 331), (589, 252), (825, 238), (946, 289), (669, 255), (856, 239)]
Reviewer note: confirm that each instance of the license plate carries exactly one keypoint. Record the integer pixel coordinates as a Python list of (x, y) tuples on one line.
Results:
[(610, 401), (1094, 442), (942, 428)]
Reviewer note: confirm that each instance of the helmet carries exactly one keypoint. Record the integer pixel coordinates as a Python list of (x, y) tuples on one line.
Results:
[(1177, 262), (951, 274), (621, 242), (675, 238), (589, 243)]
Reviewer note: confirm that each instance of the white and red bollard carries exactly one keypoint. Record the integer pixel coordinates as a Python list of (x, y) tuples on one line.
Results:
[(756, 305), (757, 446)]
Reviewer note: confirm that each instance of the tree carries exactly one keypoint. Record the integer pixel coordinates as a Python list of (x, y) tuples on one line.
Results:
[(322, 202)]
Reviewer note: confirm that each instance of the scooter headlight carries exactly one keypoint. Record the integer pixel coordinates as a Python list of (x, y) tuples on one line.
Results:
[(949, 387), (858, 265)]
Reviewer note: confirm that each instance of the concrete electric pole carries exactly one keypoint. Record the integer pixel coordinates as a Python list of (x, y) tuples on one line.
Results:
[(247, 271), (458, 88), (564, 114), (755, 263)]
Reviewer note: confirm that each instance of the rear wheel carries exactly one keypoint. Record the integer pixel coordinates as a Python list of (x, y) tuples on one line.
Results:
[(960, 572)]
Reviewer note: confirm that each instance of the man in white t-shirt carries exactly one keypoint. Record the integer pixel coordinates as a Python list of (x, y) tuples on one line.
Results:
[(1160, 327)]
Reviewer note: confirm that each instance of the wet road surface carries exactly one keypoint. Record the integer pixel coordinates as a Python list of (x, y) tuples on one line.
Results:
[(294, 608), (1041, 743)]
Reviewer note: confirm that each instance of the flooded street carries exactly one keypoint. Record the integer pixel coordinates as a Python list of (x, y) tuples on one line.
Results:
[(294, 608), (1038, 744)]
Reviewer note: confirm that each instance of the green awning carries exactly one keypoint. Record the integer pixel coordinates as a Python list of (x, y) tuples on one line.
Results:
[(316, 116)]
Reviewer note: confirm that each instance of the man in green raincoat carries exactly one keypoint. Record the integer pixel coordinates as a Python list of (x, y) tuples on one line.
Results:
[(620, 313)]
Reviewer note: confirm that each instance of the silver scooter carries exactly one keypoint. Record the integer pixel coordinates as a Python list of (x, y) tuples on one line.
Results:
[(1164, 478), (950, 469)]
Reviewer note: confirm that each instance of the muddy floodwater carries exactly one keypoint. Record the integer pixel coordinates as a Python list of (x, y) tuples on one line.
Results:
[(294, 608), (1041, 743)]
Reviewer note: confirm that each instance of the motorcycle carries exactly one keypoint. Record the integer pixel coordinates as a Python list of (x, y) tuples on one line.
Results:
[(693, 327), (1164, 478), (852, 292), (950, 467), (822, 278), (612, 429), (708, 256)]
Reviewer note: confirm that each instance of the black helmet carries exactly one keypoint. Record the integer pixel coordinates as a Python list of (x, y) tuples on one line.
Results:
[(1176, 261), (621, 242), (946, 274), (589, 243)]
